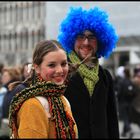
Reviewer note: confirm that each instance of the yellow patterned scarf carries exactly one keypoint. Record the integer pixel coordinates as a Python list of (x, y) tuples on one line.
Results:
[(90, 76)]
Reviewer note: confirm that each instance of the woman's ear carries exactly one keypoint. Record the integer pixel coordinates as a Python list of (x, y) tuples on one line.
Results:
[(37, 68)]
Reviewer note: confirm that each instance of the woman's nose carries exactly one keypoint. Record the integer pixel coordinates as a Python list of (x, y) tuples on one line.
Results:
[(59, 69)]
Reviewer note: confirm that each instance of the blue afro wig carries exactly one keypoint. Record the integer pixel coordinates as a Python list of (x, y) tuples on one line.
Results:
[(95, 20)]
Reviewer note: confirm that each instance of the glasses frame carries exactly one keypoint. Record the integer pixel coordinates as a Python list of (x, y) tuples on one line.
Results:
[(83, 37)]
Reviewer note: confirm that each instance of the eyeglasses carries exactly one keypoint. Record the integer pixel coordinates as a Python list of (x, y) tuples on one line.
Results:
[(83, 37)]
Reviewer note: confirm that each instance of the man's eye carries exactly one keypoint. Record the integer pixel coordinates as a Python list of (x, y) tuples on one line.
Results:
[(80, 36), (91, 37)]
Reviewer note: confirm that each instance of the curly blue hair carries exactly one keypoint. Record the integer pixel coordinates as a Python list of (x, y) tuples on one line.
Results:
[(94, 20)]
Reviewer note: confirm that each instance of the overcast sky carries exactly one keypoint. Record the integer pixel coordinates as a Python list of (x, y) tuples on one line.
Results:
[(125, 16)]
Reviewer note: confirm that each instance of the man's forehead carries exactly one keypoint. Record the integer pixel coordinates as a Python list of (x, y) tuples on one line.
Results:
[(87, 32)]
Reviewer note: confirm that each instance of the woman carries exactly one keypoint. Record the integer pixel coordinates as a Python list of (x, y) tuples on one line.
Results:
[(41, 110)]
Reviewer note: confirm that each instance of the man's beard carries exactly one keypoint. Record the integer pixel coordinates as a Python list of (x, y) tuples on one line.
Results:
[(91, 59)]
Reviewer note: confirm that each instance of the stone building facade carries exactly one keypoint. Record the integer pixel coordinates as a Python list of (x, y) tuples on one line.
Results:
[(21, 26)]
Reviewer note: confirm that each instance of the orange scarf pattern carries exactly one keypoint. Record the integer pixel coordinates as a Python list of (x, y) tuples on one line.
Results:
[(64, 125)]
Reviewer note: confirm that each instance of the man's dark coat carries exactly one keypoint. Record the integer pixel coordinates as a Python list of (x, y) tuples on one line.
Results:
[(96, 116)]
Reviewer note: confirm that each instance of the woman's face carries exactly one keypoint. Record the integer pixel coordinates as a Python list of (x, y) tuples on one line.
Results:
[(6, 77), (54, 67), (86, 44)]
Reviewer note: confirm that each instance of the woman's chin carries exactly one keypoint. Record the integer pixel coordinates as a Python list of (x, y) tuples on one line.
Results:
[(59, 83)]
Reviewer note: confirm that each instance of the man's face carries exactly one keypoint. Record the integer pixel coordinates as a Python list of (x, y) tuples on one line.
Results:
[(86, 44)]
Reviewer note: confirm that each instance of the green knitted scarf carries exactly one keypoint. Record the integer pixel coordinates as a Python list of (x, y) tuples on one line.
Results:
[(90, 76), (63, 121)]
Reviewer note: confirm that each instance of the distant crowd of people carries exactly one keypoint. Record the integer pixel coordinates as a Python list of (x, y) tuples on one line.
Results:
[(9, 75)]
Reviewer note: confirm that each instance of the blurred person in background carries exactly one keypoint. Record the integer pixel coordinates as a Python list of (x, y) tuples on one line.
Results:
[(135, 108), (9, 75), (1, 69), (3, 91), (16, 86), (126, 93), (24, 71), (118, 79), (136, 70)]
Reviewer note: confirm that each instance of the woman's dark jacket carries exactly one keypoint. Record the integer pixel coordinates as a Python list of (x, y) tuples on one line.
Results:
[(96, 116)]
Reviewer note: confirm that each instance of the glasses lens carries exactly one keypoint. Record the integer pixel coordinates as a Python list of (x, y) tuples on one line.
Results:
[(91, 37), (82, 37)]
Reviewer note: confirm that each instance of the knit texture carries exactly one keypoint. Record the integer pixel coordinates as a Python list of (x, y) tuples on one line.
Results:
[(63, 121), (90, 76)]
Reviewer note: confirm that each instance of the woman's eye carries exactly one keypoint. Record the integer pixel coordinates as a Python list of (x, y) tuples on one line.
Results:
[(64, 64), (51, 65)]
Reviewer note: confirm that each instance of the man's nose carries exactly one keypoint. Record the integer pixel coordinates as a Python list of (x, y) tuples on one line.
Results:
[(85, 41)]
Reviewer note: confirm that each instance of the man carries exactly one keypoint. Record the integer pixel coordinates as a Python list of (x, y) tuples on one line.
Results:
[(88, 35)]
